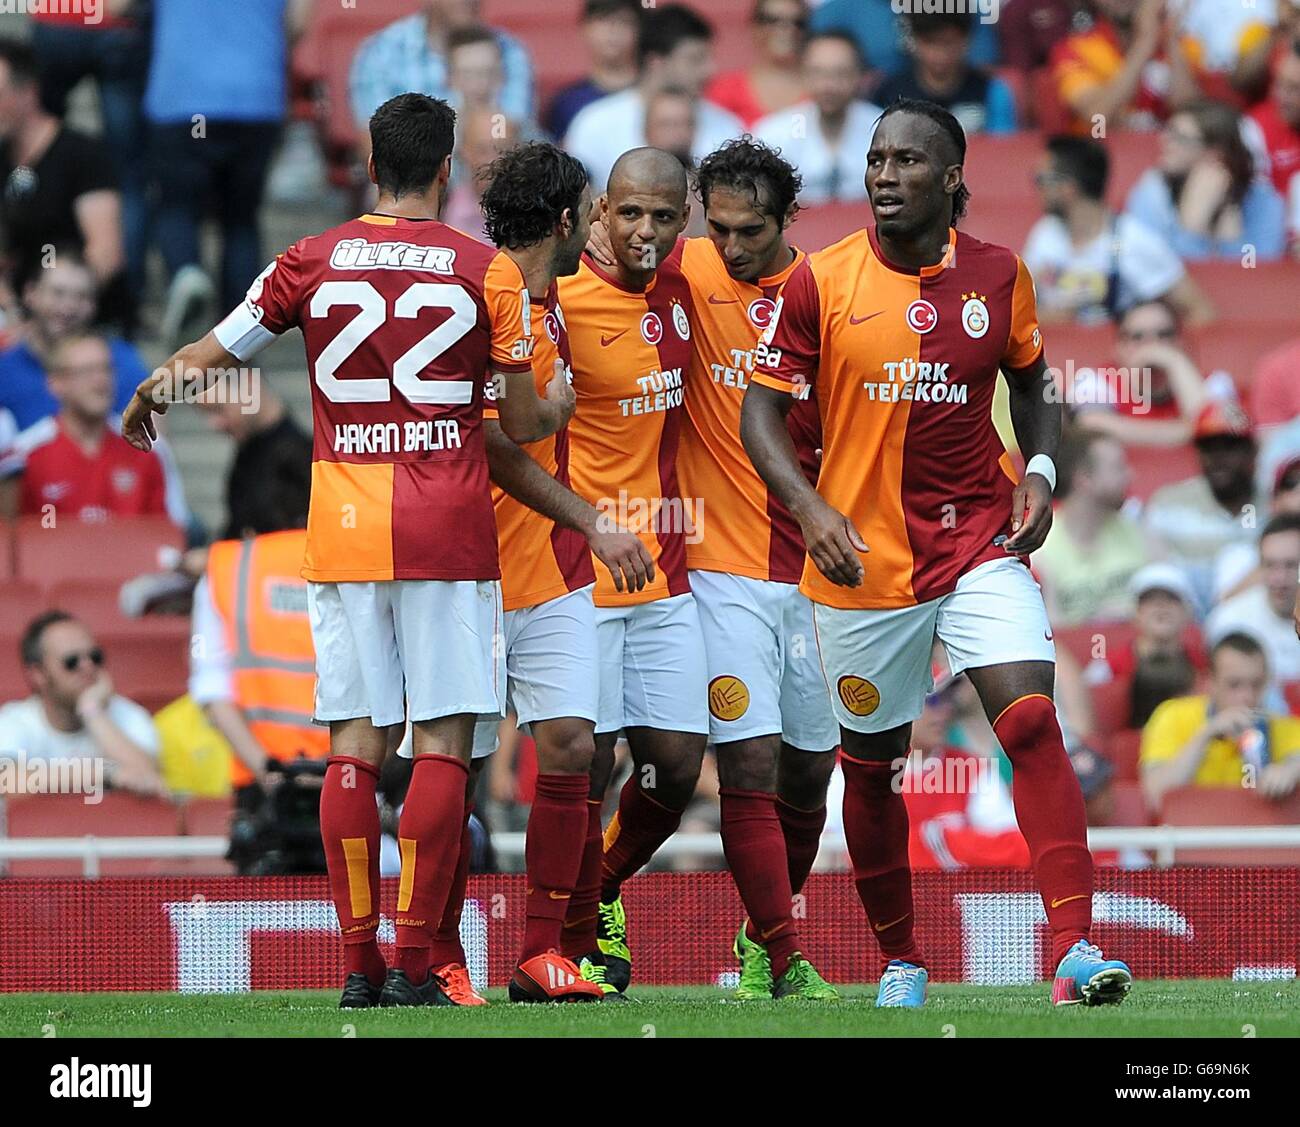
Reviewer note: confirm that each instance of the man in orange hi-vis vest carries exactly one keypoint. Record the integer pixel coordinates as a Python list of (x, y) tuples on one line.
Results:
[(403, 319), (253, 666), (918, 529)]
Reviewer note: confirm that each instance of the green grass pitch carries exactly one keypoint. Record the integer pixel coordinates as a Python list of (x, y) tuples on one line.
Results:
[(1187, 1008)]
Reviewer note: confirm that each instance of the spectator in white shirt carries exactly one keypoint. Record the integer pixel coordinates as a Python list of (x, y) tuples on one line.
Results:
[(675, 50), (827, 137), (1090, 265), (73, 712), (1265, 610)]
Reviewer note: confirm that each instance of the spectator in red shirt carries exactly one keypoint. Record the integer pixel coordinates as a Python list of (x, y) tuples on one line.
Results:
[(1029, 29), (774, 81), (1272, 129), (76, 464), (1275, 390)]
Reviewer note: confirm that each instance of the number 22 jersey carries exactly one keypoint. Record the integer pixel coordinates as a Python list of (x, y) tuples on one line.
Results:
[(401, 320)]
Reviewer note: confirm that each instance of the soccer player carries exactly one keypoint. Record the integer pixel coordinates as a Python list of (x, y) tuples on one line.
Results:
[(630, 335), (537, 205), (901, 330), (770, 717), (402, 317)]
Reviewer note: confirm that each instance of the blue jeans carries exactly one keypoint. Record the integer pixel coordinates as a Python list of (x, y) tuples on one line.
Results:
[(227, 169), (118, 60)]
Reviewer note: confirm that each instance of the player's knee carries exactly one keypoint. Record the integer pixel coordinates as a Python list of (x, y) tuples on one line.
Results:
[(1023, 724), (748, 764), (677, 776), (875, 747), (804, 776), (564, 747)]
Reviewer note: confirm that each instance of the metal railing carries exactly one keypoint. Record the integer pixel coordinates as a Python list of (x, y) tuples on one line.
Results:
[(1162, 842)]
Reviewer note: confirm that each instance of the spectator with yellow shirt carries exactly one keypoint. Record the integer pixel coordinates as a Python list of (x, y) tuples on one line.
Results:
[(1211, 740)]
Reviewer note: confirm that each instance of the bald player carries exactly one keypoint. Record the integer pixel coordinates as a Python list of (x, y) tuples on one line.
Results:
[(918, 526), (630, 341)]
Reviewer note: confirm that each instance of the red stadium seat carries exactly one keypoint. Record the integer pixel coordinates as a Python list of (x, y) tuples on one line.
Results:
[(66, 815), (1130, 805), (1266, 292), (1237, 346), (1123, 750), (1093, 640), (95, 602), (818, 227), (1112, 705), (112, 551), (201, 817), (8, 555), (1156, 466), (1230, 806), (152, 670)]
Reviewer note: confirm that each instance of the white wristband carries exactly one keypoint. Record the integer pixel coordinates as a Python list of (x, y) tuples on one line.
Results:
[(1042, 464)]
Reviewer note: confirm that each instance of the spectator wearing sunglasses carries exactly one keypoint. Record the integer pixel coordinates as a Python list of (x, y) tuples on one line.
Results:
[(73, 712), (774, 80)]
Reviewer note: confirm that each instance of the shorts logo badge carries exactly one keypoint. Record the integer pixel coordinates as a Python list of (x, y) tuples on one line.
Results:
[(652, 328), (728, 697), (858, 695), (974, 315), (921, 316), (681, 322)]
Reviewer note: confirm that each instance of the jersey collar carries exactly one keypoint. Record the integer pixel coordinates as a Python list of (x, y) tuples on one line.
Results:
[(949, 257)]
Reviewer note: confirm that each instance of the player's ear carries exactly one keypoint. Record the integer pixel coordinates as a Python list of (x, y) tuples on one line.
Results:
[(952, 178), (566, 226), (370, 169), (444, 171)]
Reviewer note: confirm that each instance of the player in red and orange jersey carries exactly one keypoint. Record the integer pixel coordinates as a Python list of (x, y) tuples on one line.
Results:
[(770, 716), (630, 333), (537, 206), (402, 319), (902, 330)]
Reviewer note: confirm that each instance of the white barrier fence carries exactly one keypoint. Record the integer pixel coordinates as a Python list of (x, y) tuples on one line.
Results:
[(1162, 842)]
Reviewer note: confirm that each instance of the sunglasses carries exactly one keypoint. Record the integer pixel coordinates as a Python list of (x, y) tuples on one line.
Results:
[(70, 662)]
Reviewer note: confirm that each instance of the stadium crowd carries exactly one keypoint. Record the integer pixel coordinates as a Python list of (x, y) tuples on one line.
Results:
[(1170, 573)]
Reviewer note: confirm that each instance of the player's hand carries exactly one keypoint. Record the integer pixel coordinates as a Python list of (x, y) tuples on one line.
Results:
[(1031, 515), (138, 427), (599, 246), (628, 559), (834, 544), (560, 393)]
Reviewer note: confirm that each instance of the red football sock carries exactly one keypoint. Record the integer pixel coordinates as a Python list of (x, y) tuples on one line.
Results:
[(803, 835), (579, 935), (640, 826), (429, 832), (447, 947), (754, 847), (875, 829), (349, 827), (557, 827), (1049, 809)]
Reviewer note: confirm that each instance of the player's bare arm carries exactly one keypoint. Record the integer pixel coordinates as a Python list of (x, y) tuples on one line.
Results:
[(1036, 418), (527, 416), (205, 357), (515, 471), (832, 541)]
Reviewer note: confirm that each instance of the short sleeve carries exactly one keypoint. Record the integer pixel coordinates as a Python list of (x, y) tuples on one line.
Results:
[(136, 724), (211, 676), (789, 350), (270, 308), (1025, 340), (510, 316), (1167, 732)]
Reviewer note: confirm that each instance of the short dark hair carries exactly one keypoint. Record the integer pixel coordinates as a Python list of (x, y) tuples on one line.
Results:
[(528, 189), (410, 137), (1238, 642), (469, 35), (29, 645), (1074, 456), (598, 9), (752, 166), (951, 127), (837, 36), (664, 29), (924, 24), (1082, 160), (1279, 523), (21, 61)]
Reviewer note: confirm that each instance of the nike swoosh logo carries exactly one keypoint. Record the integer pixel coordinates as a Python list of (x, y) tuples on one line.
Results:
[(558, 895), (1067, 899), (720, 301), (605, 341), (858, 320), (1047, 635), (892, 923)]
